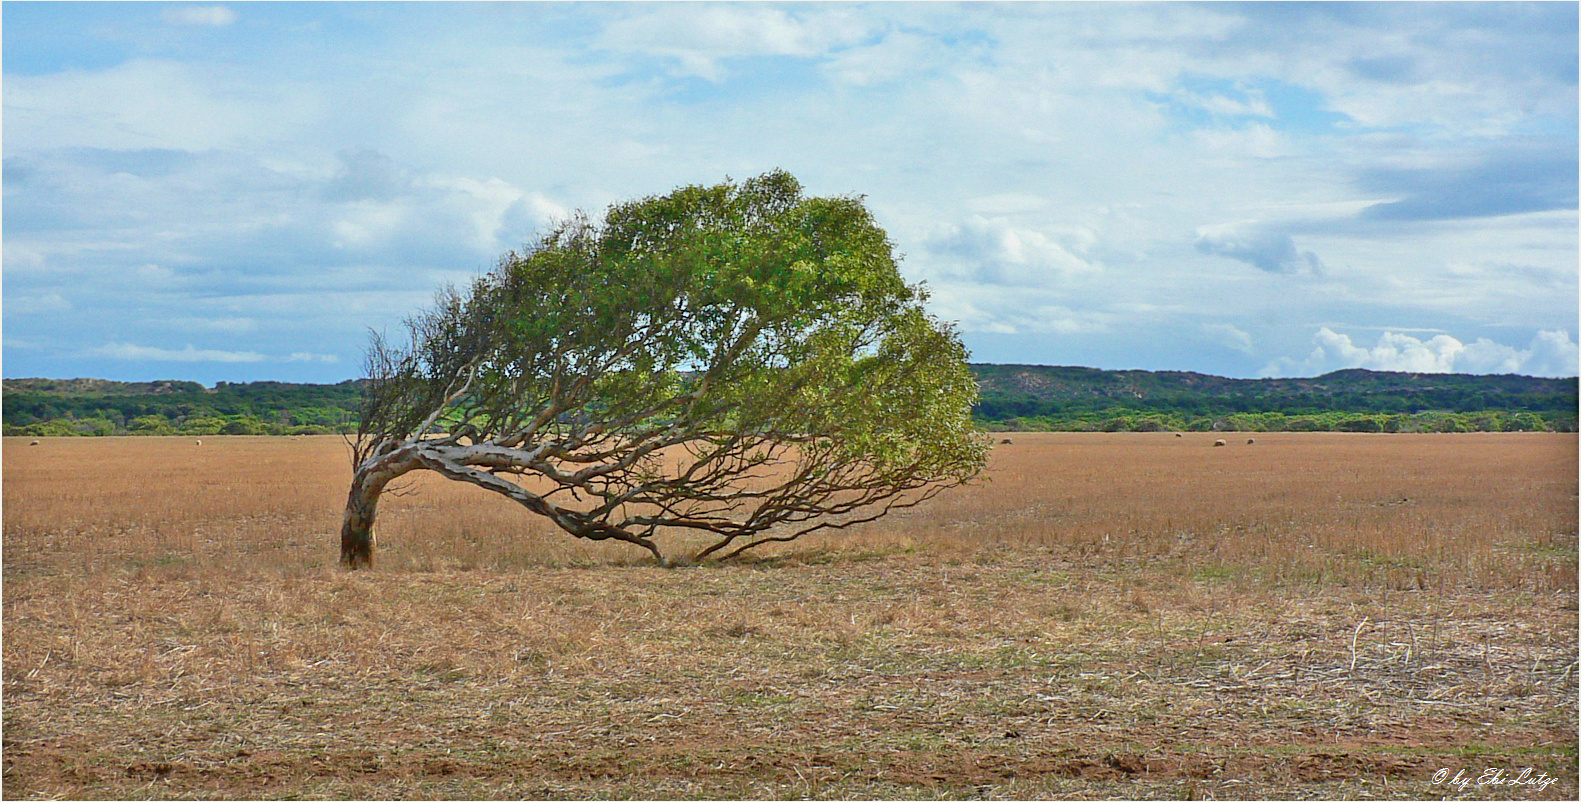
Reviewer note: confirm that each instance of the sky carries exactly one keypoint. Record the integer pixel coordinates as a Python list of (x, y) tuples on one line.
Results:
[(244, 191)]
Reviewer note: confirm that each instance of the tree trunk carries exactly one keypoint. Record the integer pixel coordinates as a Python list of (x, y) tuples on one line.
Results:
[(362, 505), (356, 529)]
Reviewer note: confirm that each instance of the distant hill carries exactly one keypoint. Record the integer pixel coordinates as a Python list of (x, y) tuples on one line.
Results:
[(1038, 396), (99, 387), (1013, 397), (1351, 390), (98, 406)]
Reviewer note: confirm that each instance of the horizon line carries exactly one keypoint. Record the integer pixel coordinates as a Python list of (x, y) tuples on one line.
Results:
[(969, 364)]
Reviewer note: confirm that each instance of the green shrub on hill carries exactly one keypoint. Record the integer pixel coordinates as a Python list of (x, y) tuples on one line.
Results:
[(1014, 398)]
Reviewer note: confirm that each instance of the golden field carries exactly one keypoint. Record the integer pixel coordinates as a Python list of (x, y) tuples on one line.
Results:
[(1131, 615)]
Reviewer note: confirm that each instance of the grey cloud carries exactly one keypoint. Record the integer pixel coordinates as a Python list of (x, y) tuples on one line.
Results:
[(962, 101), (118, 211), (122, 232), (1385, 69), (367, 175), (530, 215), (1511, 182), (144, 163), (1471, 41), (994, 251), (1266, 249)]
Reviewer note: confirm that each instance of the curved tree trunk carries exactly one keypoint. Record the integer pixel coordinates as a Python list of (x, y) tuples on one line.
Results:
[(362, 505)]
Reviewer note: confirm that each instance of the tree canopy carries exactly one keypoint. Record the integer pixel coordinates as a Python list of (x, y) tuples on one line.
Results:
[(738, 362)]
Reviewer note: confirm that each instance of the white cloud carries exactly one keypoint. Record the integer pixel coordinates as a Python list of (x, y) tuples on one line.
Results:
[(896, 56), (1264, 248), (1229, 336), (155, 274), (1255, 105), (304, 356), (49, 303), (1044, 166), (225, 325), (1257, 141), (368, 225), (529, 214), (1551, 353), (699, 37), (492, 206), (20, 257), (993, 309), (995, 251), (1007, 203), (188, 14), (143, 353), (154, 103)]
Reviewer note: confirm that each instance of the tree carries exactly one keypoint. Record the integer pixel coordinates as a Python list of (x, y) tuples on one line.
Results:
[(737, 362), (150, 424)]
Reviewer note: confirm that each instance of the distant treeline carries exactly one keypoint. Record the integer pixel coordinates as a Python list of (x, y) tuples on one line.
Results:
[(50, 407), (1119, 420), (1014, 397), (1031, 397)]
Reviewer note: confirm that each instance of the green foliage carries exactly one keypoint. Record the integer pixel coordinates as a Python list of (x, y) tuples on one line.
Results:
[(53, 428), (779, 313), (1014, 397), (203, 425), (150, 424), (744, 323), (1113, 420), (170, 407), (1085, 399)]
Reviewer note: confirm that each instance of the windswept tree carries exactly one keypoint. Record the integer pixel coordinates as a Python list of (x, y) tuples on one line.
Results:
[(739, 362)]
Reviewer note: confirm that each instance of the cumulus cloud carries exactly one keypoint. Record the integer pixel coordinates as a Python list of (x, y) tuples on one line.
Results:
[(263, 227), (1043, 165), (1551, 353), (996, 251), (1266, 249), (1229, 336), (366, 175)]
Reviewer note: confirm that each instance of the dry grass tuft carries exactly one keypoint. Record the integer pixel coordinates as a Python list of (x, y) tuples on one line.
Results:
[(1109, 615)]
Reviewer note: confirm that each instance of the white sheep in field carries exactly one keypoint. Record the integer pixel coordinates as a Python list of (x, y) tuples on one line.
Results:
[(1217, 443), (200, 442)]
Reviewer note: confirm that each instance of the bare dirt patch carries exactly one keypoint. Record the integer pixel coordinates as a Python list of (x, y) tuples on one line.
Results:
[(176, 627)]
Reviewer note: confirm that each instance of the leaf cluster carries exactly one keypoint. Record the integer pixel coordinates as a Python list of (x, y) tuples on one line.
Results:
[(730, 359)]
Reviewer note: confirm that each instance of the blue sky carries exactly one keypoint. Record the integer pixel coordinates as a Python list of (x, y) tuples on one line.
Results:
[(242, 191)]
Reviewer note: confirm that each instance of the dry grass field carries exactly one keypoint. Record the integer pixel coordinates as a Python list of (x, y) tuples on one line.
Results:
[(1103, 615)]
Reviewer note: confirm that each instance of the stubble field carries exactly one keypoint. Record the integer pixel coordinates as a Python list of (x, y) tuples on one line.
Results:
[(1103, 615)]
